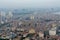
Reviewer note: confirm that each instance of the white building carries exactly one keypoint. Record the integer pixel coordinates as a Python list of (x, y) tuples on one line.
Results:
[(41, 34), (52, 32), (31, 17), (9, 14), (2, 22), (20, 23)]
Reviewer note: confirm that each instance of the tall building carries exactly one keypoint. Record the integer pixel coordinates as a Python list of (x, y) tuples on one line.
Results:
[(9, 15), (31, 17), (2, 16)]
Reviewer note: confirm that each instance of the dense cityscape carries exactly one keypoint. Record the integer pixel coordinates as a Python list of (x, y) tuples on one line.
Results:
[(30, 24)]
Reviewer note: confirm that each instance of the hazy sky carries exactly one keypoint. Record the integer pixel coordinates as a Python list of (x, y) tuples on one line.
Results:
[(29, 3)]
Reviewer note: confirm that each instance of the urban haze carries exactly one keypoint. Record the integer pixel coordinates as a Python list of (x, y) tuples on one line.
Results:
[(29, 19)]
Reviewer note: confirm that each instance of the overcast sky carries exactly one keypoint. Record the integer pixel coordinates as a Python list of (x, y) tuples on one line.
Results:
[(29, 3)]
